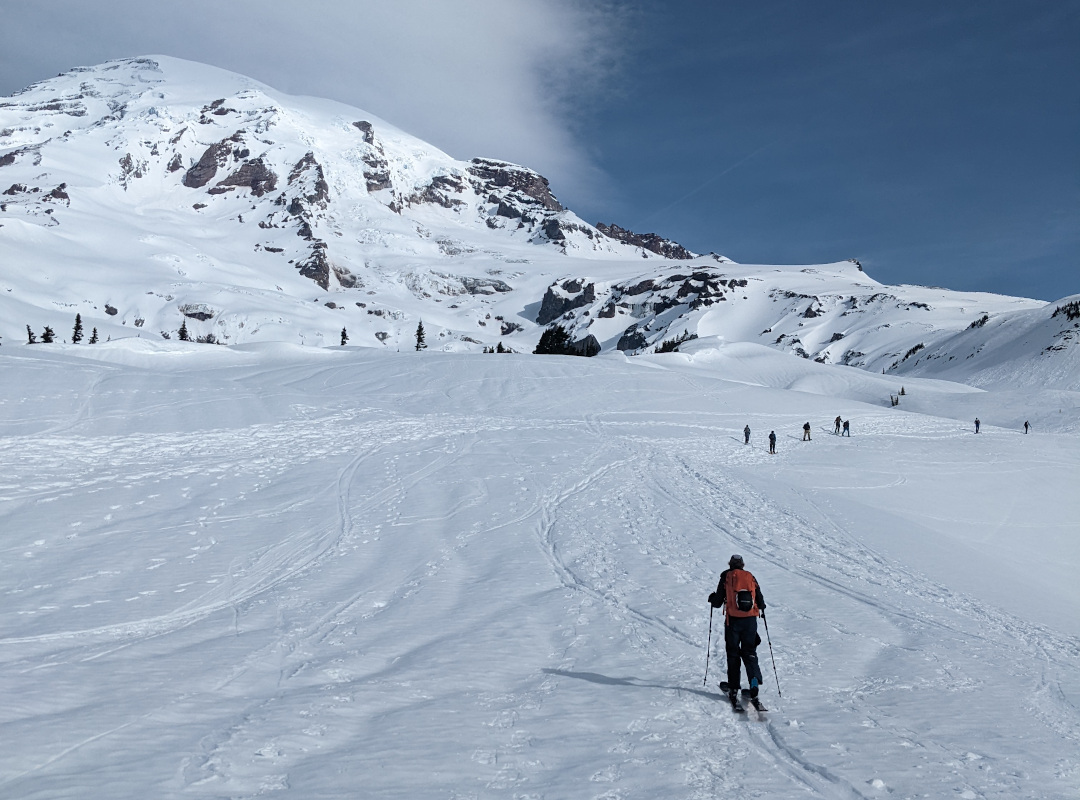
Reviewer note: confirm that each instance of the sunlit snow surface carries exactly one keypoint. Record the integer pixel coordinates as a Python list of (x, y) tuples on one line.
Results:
[(340, 573)]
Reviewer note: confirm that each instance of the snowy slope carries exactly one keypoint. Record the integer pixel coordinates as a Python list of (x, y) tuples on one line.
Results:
[(144, 190), (1038, 348), (282, 571), (149, 193)]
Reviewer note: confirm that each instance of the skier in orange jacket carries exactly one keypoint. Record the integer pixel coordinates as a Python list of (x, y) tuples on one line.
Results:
[(740, 595)]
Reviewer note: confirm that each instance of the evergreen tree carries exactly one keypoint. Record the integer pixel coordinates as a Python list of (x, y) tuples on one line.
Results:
[(76, 334), (94, 337), (183, 334), (501, 349), (421, 344), (31, 337), (554, 341), (344, 337), (47, 335)]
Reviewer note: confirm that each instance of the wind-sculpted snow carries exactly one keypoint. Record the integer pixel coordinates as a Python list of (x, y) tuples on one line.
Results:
[(318, 573)]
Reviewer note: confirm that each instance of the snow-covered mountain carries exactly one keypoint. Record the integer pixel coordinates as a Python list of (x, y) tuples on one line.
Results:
[(150, 193)]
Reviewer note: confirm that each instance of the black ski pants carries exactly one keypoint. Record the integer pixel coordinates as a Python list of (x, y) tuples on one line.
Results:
[(741, 640)]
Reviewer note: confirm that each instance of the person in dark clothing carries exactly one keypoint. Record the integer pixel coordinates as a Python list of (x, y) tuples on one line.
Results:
[(837, 421), (772, 441), (977, 423), (847, 429), (806, 432), (740, 595), (1026, 426), (746, 435)]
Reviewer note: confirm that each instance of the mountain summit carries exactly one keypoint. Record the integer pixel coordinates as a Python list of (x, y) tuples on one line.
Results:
[(150, 194)]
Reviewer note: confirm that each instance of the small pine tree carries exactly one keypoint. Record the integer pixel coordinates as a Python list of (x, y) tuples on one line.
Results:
[(31, 337), (501, 349), (421, 343), (183, 334), (344, 337), (555, 341), (76, 334), (93, 337), (902, 390), (48, 336)]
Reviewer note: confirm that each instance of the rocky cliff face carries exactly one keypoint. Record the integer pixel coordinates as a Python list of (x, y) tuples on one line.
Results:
[(647, 241)]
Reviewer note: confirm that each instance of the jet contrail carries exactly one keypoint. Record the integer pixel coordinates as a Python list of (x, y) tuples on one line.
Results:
[(711, 180)]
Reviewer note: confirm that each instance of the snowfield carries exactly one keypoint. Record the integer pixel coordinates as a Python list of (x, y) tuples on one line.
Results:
[(297, 572)]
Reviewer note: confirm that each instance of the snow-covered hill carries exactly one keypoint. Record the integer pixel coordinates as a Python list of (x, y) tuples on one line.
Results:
[(324, 573), (148, 193)]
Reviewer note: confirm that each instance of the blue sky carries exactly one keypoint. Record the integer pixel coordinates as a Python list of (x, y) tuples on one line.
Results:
[(938, 143)]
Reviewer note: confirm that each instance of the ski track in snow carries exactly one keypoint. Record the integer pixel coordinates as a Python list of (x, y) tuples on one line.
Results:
[(482, 605)]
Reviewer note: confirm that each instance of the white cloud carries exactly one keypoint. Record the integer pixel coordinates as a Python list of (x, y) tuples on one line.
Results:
[(497, 78)]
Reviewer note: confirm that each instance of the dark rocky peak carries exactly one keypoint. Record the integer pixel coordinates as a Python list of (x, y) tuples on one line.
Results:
[(253, 174), (502, 174), (215, 156), (367, 130), (377, 172), (652, 242), (307, 177)]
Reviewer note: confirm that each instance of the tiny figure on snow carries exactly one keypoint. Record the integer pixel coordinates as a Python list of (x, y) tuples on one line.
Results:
[(847, 429), (746, 435), (806, 432), (977, 424), (739, 594), (1027, 425), (772, 442), (837, 421)]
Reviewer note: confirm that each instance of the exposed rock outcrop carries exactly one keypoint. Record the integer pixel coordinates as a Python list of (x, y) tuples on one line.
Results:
[(647, 241), (528, 183), (215, 156), (253, 175), (560, 298)]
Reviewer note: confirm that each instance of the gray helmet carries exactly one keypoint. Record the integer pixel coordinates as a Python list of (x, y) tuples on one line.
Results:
[(736, 562)]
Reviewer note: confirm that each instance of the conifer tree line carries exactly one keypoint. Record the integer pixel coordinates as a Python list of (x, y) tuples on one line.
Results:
[(48, 335)]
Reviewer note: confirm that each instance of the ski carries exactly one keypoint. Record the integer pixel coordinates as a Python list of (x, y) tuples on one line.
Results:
[(736, 705), (757, 704)]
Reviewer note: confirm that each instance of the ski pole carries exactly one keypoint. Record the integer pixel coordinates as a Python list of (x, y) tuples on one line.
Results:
[(781, 694), (708, 649)]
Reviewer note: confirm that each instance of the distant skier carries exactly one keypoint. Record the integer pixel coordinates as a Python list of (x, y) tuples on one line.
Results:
[(746, 435), (806, 432), (847, 429), (1026, 426), (837, 421), (772, 442), (977, 424), (740, 595)]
